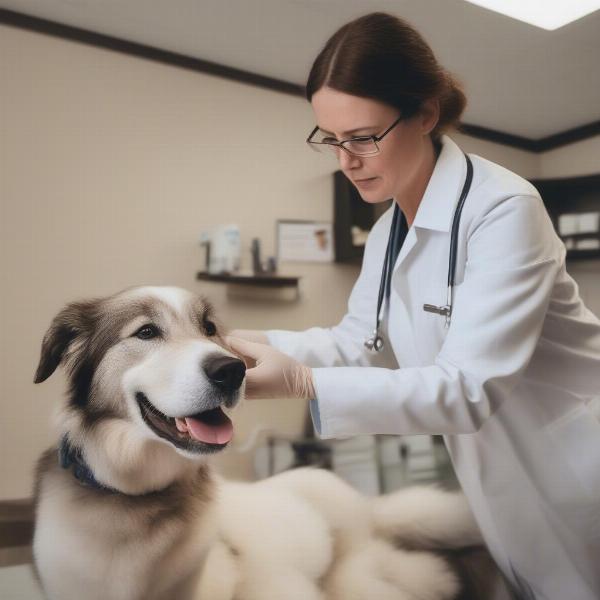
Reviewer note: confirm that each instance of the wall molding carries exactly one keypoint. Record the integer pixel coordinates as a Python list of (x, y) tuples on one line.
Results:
[(99, 40), (545, 144), (84, 36)]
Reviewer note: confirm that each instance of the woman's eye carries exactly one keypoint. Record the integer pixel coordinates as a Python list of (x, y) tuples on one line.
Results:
[(210, 328), (147, 332)]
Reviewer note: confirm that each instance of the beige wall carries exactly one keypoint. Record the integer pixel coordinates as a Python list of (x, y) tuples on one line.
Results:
[(572, 160), (110, 168), (526, 164), (582, 158)]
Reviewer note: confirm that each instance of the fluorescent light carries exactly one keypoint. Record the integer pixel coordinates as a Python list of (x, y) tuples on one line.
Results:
[(547, 14)]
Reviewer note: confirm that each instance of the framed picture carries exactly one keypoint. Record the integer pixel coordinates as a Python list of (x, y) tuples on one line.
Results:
[(304, 241)]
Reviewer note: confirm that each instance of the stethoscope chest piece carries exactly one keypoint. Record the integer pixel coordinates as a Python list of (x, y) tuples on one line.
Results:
[(375, 342)]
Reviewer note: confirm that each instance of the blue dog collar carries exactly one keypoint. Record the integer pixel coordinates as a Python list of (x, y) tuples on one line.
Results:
[(70, 458)]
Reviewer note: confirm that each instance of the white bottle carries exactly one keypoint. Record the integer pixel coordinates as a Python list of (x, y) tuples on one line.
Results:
[(225, 249)]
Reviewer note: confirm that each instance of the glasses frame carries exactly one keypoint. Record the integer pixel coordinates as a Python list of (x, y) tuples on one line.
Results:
[(362, 138)]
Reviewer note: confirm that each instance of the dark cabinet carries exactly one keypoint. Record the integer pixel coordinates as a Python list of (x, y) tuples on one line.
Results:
[(353, 219), (572, 197)]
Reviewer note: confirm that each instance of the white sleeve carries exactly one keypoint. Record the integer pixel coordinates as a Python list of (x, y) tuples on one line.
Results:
[(343, 344), (499, 309)]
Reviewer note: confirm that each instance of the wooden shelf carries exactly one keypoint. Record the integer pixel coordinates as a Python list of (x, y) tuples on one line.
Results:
[(582, 253), (268, 280), (572, 195), (16, 523)]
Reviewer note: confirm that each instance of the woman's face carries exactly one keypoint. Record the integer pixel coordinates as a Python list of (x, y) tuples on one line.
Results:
[(403, 151)]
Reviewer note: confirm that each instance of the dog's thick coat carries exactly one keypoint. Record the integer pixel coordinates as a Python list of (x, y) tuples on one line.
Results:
[(150, 375)]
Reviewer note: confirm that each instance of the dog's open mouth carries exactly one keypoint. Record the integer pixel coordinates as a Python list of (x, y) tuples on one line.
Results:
[(207, 431)]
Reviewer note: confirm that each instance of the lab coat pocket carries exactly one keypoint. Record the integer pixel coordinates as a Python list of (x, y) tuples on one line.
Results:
[(577, 437)]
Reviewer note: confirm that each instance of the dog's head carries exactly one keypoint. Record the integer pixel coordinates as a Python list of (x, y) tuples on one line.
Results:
[(148, 366)]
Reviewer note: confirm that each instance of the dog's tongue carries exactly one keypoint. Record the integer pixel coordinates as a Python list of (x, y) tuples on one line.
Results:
[(220, 433)]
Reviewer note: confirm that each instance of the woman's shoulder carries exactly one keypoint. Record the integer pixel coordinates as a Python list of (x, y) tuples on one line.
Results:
[(496, 189), (508, 205), (495, 181)]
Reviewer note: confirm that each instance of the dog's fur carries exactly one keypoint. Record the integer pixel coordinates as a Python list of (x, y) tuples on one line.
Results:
[(160, 525)]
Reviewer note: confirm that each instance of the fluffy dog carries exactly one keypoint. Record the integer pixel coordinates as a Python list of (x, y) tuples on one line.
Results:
[(128, 508)]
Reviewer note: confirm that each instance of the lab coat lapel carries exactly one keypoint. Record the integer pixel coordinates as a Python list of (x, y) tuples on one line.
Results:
[(407, 246), (436, 209), (428, 236)]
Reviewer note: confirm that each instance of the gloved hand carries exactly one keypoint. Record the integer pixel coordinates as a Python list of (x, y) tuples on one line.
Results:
[(251, 335), (276, 375)]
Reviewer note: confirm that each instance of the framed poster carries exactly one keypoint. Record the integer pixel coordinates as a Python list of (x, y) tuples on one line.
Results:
[(304, 241)]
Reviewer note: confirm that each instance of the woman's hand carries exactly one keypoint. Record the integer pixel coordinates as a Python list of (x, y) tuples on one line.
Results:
[(276, 375), (251, 335)]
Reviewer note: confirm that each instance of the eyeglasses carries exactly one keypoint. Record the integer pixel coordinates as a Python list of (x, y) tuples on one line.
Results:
[(365, 145)]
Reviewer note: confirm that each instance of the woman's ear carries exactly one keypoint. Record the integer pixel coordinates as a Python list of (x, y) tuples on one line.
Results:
[(430, 115), (74, 321)]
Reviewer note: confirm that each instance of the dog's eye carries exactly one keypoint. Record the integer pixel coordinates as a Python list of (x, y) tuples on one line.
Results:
[(147, 332), (210, 328)]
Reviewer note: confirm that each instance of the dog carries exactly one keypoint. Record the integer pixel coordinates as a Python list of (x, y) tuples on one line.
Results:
[(129, 508)]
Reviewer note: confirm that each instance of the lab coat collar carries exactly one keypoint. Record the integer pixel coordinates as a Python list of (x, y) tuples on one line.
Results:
[(441, 195)]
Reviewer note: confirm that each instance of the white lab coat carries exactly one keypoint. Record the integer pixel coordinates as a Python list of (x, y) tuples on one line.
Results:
[(513, 384)]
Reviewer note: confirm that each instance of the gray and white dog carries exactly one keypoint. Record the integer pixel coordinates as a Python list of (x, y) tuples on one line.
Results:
[(128, 508)]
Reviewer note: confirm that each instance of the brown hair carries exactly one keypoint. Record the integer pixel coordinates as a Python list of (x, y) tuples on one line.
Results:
[(382, 57)]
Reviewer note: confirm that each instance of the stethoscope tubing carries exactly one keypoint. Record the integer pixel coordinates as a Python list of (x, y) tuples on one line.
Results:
[(376, 341), (454, 239), (456, 223)]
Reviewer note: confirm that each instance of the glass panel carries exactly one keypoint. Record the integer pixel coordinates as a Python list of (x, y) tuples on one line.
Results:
[(362, 146), (324, 148), (323, 138)]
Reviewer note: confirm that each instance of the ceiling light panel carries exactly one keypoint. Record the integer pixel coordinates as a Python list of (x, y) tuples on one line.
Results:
[(547, 14)]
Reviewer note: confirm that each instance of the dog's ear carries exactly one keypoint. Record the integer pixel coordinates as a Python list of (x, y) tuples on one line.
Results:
[(74, 322)]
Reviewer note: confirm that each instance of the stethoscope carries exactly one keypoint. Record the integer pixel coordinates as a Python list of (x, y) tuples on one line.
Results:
[(398, 231)]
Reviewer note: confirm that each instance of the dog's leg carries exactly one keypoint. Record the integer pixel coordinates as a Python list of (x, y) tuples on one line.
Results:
[(219, 577), (381, 571)]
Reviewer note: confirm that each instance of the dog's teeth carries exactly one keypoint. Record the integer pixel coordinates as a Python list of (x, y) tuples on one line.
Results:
[(181, 425)]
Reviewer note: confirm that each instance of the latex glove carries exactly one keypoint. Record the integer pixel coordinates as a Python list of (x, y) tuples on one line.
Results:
[(251, 335), (276, 375)]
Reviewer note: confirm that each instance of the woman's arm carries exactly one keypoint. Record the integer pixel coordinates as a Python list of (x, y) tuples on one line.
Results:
[(499, 311), (343, 344)]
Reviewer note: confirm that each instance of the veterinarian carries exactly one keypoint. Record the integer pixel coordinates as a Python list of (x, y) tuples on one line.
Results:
[(504, 363)]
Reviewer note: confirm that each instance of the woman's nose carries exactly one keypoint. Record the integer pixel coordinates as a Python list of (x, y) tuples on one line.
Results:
[(347, 160)]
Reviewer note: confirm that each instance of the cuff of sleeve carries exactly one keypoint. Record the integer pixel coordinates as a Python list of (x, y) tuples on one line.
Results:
[(348, 407), (315, 415), (324, 384)]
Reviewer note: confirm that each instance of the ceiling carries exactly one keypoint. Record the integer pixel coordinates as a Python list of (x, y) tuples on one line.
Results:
[(519, 79)]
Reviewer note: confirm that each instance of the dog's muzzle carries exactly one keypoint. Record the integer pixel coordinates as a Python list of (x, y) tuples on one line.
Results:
[(206, 431)]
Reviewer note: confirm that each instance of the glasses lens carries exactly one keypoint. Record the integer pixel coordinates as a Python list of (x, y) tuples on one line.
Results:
[(323, 148), (361, 146), (322, 142)]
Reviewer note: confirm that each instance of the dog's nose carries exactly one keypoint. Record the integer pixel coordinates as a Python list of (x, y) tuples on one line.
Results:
[(225, 372)]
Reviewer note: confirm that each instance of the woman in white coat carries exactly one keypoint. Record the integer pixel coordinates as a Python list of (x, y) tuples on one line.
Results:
[(513, 384)]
